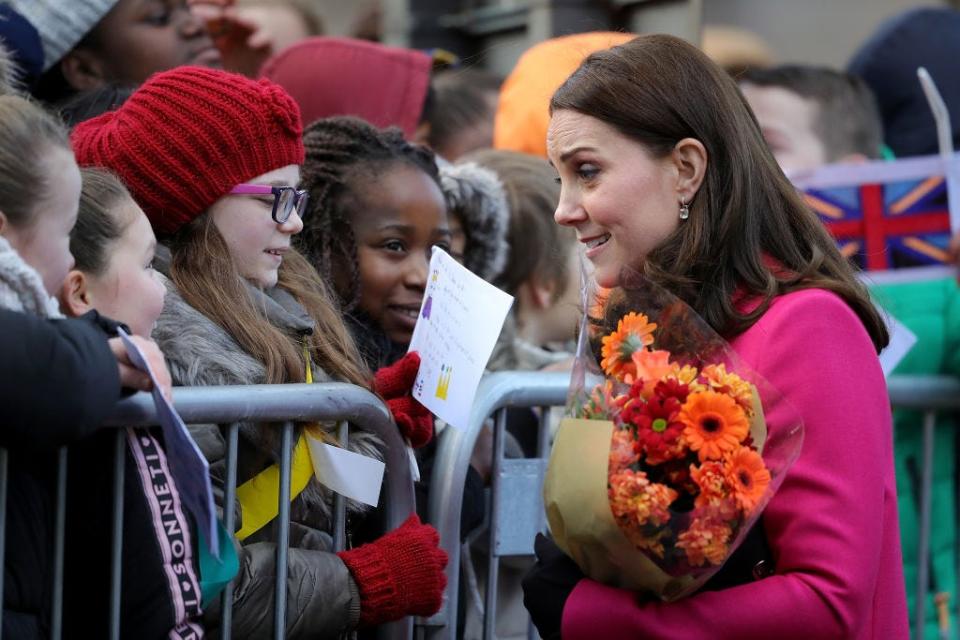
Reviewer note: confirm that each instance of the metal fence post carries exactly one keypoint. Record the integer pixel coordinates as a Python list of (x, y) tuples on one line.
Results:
[(3, 523), (116, 534), (229, 522), (59, 536), (283, 532)]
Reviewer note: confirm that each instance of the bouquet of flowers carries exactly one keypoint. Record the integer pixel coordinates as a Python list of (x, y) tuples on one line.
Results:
[(665, 461)]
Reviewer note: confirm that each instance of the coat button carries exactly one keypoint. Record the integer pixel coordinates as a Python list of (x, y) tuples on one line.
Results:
[(762, 569)]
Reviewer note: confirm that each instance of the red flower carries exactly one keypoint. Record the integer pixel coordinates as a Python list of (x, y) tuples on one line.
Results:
[(657, 424)]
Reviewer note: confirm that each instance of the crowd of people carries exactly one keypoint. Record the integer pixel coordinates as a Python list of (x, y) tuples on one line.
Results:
[(258, 209)]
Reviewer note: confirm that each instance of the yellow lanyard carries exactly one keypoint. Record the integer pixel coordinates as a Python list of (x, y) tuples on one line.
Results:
[(259, 496)]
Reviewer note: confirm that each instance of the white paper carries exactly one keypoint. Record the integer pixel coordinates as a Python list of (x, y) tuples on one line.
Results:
[(460, 319), (901, 342), (187, 464), (350, 474)]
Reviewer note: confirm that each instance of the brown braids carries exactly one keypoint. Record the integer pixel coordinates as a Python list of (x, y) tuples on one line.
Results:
[(341, 151)]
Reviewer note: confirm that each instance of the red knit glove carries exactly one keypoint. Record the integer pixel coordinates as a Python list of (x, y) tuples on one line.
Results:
[(394, 383), (401, 574)]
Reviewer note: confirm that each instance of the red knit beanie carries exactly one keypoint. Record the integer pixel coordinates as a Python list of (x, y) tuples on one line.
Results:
[(187, 136)]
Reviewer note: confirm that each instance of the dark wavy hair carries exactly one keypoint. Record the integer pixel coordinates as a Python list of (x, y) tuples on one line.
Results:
[(749, 232)]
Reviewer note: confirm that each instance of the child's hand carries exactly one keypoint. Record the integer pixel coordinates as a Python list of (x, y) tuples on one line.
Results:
[(243, 44), (133, 378), (394, 384)]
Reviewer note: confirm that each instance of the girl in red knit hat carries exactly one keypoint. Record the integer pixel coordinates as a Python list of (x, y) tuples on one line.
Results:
[(214, 160)]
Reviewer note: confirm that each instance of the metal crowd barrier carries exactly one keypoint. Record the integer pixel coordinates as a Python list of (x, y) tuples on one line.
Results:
[(516, 484), (516, 498), (931, 395), (284, 403)]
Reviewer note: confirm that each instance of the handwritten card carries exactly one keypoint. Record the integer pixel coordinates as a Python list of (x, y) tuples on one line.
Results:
[(460, 320), (187, 464)]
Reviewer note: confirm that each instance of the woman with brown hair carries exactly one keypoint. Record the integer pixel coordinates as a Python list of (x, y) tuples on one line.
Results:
[(214, 160), (664, 172)]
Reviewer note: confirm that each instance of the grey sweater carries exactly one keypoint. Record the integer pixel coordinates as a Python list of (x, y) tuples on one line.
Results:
[(323, 600)]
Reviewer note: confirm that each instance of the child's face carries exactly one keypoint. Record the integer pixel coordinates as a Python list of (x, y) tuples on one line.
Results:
[(129, 290), (257, 243), (140, 37), (397, 221), (44, 243), (788, 124)]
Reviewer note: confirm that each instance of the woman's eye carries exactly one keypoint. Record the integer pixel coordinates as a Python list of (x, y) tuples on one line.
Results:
[(442, 245), (393, 245), (587, 171)]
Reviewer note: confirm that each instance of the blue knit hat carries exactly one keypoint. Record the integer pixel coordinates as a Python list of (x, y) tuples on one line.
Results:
[(888, 61), (22, 42)]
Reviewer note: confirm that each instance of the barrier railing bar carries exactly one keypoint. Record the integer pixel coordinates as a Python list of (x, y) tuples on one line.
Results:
[(3, 523), (283, 533), (229, 523), (926, 393), (331, 401), (923, 540), (339, 504), (493, 559), (60, 523), (116, 532), (455, 446)]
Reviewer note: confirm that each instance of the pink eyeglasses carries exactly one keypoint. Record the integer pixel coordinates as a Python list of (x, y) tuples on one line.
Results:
[(285, 199)]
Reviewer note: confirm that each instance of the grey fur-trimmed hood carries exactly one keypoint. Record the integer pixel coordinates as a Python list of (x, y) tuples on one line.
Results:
[(201, 353), (476, 196)]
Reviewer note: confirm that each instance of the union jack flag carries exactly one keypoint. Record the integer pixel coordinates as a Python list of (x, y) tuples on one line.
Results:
[(882, 224)]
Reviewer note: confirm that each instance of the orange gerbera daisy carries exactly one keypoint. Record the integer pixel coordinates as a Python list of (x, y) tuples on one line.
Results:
[(714, 424), (722, 381), (748, 477), (634, 333)]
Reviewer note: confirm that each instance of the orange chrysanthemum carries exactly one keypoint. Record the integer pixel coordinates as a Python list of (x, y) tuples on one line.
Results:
[(623, 451), (748, 477), (722, 381), (714, 424), (706, 540), (634, 333), (714, 498), (635, 501), (688, 375)]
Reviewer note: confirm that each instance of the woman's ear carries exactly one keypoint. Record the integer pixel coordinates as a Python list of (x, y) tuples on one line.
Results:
[(74, 294), (689, 157)]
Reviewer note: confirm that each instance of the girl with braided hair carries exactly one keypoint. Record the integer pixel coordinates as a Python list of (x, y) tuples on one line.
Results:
[(376, 211)]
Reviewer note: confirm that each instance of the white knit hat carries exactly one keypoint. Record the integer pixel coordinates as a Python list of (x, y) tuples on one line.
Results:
[(61, 23)]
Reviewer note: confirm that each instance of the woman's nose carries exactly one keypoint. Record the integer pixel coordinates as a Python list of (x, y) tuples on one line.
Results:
[(569, 212)]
